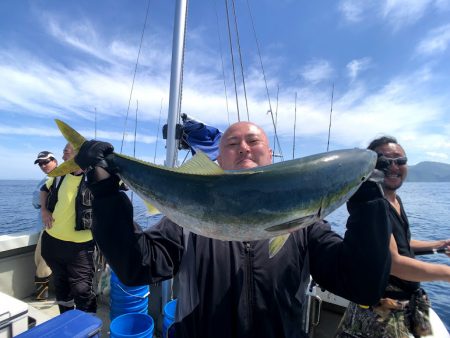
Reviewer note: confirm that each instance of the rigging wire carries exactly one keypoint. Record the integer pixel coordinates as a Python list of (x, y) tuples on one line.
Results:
[(157, 131), (232, 60), (276, 122), (240, 57), (221, 58), (95, 123), (331, 112), (135, 137), (134, 75), (263, 72), (295, 125)]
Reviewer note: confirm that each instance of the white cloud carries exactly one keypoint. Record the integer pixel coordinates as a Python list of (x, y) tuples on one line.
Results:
[(316, 71), (436, 41), (355, 67), (353, 11)]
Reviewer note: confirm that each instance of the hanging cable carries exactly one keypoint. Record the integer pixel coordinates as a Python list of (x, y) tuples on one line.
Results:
[(232, 61), (134, 75), (157, 131), (221, 58), (295, 125), (264, 74), (238, 41), (331, 112), (135, 137)]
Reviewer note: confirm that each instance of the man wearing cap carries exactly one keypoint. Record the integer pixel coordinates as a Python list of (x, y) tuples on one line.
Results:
[(47, 162)]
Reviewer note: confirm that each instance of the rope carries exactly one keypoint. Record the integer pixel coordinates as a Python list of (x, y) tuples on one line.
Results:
[(134, 76), (264, 74), (232, 61), (221, 58), (331, 112), (240, 57)]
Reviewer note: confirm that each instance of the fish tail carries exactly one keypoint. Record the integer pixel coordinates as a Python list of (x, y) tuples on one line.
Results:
[(276, 243), (71, 135), (76, 140)]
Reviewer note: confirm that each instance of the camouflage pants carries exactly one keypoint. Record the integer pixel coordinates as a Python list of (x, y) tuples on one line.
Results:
[(388, 319)]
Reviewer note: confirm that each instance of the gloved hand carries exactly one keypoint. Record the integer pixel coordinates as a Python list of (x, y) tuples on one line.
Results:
[(93, 154), (370, 189)]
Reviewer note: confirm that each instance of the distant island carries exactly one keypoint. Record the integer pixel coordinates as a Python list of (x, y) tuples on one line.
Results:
[(429, 172)]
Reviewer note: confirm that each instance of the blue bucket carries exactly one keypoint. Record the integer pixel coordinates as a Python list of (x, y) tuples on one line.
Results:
[(169, 316), (127, 299), (132, 325)]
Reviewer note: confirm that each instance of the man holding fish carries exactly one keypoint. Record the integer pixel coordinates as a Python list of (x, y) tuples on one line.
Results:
[(236, 288)]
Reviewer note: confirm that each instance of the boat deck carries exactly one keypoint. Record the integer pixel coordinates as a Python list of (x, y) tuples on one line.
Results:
[(41, 311)]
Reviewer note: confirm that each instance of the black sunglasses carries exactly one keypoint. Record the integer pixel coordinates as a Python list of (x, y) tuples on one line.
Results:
[(41, 163), (384, 162)]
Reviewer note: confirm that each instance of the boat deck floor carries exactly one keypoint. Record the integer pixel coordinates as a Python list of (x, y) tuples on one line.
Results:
[(41, 311)]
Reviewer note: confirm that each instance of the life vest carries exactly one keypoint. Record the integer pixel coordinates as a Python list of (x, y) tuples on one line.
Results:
[(83, 202)]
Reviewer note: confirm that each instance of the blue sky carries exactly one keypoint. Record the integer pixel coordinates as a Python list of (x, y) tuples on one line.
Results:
[(74, 60)]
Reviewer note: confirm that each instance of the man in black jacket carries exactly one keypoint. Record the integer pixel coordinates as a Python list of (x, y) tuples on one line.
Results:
[(233, 289)]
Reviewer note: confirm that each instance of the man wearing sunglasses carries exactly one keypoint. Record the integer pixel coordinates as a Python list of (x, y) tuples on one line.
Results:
[(404, 308), (47, 162)]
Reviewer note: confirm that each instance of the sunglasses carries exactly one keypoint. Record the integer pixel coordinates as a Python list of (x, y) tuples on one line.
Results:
[(384, 162), (41, 163)]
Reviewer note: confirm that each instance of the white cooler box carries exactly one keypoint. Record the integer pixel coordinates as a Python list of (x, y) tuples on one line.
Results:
[(13, 316)]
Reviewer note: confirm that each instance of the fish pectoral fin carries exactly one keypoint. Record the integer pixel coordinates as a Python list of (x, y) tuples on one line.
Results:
[(276, 243), (71, 135), (65, 168), (200, 164), (293, 224)]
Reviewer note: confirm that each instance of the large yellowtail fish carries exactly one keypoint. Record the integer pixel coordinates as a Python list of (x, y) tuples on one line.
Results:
[(242, 205)]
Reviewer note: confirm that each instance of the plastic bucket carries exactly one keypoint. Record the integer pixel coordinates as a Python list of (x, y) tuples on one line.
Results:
[(135, 325), (127, 299), (169, 316)]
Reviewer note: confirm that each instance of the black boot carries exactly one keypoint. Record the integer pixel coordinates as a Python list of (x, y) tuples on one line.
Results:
[(41, 287), (63, 308)]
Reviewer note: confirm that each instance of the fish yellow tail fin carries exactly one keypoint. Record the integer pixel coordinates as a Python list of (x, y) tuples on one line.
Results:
[(66, 168), (71, 135), (76, 140)]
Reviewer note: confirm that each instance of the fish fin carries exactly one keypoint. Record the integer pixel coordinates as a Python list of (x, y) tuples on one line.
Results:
[(200, 164), (293, 224), (71, 135), (65, 168), (151, 209), (276, 243)]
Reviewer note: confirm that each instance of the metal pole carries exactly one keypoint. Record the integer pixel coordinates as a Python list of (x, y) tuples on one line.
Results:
[(175, 79), (174, 105)]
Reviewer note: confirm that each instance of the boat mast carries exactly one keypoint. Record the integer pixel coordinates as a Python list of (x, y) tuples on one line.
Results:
[(175, 80), (176, 76)]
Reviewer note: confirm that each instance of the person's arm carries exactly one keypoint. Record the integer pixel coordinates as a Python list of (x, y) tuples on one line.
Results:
[(47, 217), (36, 194), (357, 267), (137, 257), (414, 270), (418, 245)]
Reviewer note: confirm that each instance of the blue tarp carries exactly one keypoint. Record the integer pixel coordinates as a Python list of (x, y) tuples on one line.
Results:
[(199, 136)]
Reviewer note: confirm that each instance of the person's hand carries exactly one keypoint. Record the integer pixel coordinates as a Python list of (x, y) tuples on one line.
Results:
[(370, 189), (47, 218), (445, 243), (93, 154)]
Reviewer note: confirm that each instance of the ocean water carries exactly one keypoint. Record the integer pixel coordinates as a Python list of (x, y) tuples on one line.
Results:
[(427, 206)]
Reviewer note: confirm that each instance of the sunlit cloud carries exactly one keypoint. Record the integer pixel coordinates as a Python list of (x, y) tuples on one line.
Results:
[(316, 71), (355, 67), (437, 41)]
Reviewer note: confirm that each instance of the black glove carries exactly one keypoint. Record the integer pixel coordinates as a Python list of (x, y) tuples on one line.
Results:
[(93, 154), (370, 189)]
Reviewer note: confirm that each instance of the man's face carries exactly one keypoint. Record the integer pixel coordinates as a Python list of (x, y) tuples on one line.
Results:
[(47, 165), (68, 152), (394, 174), (244, 145)]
